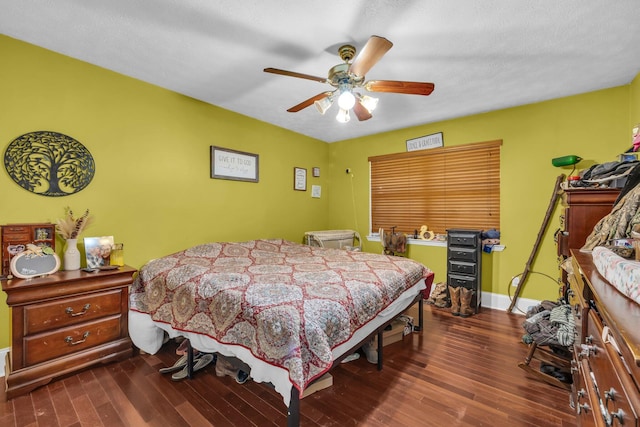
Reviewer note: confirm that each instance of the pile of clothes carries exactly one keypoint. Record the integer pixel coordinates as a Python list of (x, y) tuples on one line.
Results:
[(550, 323), (605, 173), (623, 222)]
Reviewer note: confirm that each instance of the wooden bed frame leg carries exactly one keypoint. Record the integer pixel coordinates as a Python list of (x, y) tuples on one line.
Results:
[(293, 412), (189, 360), (420, 316), (380, 345)]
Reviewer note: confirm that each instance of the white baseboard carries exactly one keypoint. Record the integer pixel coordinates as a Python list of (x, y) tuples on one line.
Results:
[(3, 358), (489, 300), (502, 302)]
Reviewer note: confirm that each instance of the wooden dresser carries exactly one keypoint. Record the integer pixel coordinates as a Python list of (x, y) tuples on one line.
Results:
[(65, 322), (606, 354), (583, 208)]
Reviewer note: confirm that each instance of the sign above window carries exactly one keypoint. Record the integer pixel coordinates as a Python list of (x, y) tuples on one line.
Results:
[(425, 142)]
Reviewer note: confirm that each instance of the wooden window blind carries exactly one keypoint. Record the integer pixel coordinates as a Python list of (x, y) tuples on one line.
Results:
[(447, 187)]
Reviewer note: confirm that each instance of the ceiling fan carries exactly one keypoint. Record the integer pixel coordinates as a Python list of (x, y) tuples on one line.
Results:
[(349, 77)]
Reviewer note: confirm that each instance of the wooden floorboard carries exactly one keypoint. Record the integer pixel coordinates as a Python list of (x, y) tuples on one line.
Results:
[(457, 372)]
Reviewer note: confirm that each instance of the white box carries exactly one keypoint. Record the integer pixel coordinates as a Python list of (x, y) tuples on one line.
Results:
[(394, 335), (321, 383)]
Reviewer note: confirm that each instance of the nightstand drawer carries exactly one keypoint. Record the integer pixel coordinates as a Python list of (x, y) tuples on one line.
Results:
[(61, 342), (70, 311)]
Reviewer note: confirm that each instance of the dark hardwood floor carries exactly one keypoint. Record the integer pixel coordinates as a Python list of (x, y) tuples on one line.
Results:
[(457, 372)]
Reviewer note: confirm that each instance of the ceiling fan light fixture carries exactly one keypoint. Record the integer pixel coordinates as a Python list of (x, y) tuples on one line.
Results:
[(343, 116), (368, 102), (323, 104), (346, 100)]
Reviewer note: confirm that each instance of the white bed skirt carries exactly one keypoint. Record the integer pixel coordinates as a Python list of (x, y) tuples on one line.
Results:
[(148, 336)]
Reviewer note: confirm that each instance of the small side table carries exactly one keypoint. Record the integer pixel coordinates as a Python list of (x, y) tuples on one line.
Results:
[(65, 322)]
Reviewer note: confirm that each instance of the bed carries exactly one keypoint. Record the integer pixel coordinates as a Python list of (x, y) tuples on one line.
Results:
[(287, 310)]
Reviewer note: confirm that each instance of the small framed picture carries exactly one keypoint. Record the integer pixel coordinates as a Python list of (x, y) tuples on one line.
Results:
[(300, 179), (316, 172), (98, 251)]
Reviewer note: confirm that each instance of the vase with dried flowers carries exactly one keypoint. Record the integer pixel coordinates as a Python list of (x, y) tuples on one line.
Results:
[(69, 228)]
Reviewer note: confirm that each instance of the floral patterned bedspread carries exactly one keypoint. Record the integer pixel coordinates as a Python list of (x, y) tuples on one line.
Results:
[(289, 303), (622, 273)]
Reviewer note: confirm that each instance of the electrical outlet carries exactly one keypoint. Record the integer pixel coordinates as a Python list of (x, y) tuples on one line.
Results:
[(515, 281)]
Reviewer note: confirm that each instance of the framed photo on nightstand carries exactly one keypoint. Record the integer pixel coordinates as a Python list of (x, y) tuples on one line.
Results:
[(98, 251)]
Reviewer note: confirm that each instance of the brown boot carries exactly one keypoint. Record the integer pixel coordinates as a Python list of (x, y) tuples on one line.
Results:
[(454, 293), (466, 296)]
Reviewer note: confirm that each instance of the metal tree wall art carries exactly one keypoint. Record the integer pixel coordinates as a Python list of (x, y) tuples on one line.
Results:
[(49, 163)]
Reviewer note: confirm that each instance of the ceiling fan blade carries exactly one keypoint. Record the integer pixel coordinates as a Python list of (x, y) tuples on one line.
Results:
[(307, 102), (294, 74), (394, 86), (369, 55), (361, 112)]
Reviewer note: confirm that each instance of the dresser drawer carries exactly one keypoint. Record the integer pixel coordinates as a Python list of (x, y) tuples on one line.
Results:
[(20, 237), (64, 341), (611, 392), (586, 401), (16, 229), (463, 254), (70, 311), (578, 305), (464, 281), (463, 239), (462, 267)]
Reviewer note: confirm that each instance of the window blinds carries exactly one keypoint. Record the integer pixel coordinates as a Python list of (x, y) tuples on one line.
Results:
[(447, 187)]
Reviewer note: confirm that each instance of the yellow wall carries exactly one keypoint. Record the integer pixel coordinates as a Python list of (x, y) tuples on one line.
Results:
[(152, 189), (634, 103), (593, 126)]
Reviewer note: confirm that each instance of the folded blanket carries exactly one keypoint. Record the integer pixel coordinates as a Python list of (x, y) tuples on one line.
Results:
[(622, 273)]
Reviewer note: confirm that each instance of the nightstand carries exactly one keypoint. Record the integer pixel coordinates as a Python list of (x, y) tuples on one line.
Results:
[(65, 322)]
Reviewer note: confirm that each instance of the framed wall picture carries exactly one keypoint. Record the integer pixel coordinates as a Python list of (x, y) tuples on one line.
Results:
[(300, 179), (234, 165), (316, 172)]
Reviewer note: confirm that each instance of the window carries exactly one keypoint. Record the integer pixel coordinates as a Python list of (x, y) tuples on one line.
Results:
[(448, 187)]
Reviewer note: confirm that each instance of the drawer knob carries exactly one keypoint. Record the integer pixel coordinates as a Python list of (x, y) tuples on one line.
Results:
[(619, 415), (584, 408), (587, 350), (610, 395), (69, 340), (85, 309)]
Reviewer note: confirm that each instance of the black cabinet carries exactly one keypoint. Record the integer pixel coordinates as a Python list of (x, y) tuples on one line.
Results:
[(464, 262)]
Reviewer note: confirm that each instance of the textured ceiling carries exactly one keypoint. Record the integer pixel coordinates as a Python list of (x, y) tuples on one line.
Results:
[(481, 55)]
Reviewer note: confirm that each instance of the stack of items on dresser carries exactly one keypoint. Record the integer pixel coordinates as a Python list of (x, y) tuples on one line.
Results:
[(619, 231), (614, 174)]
